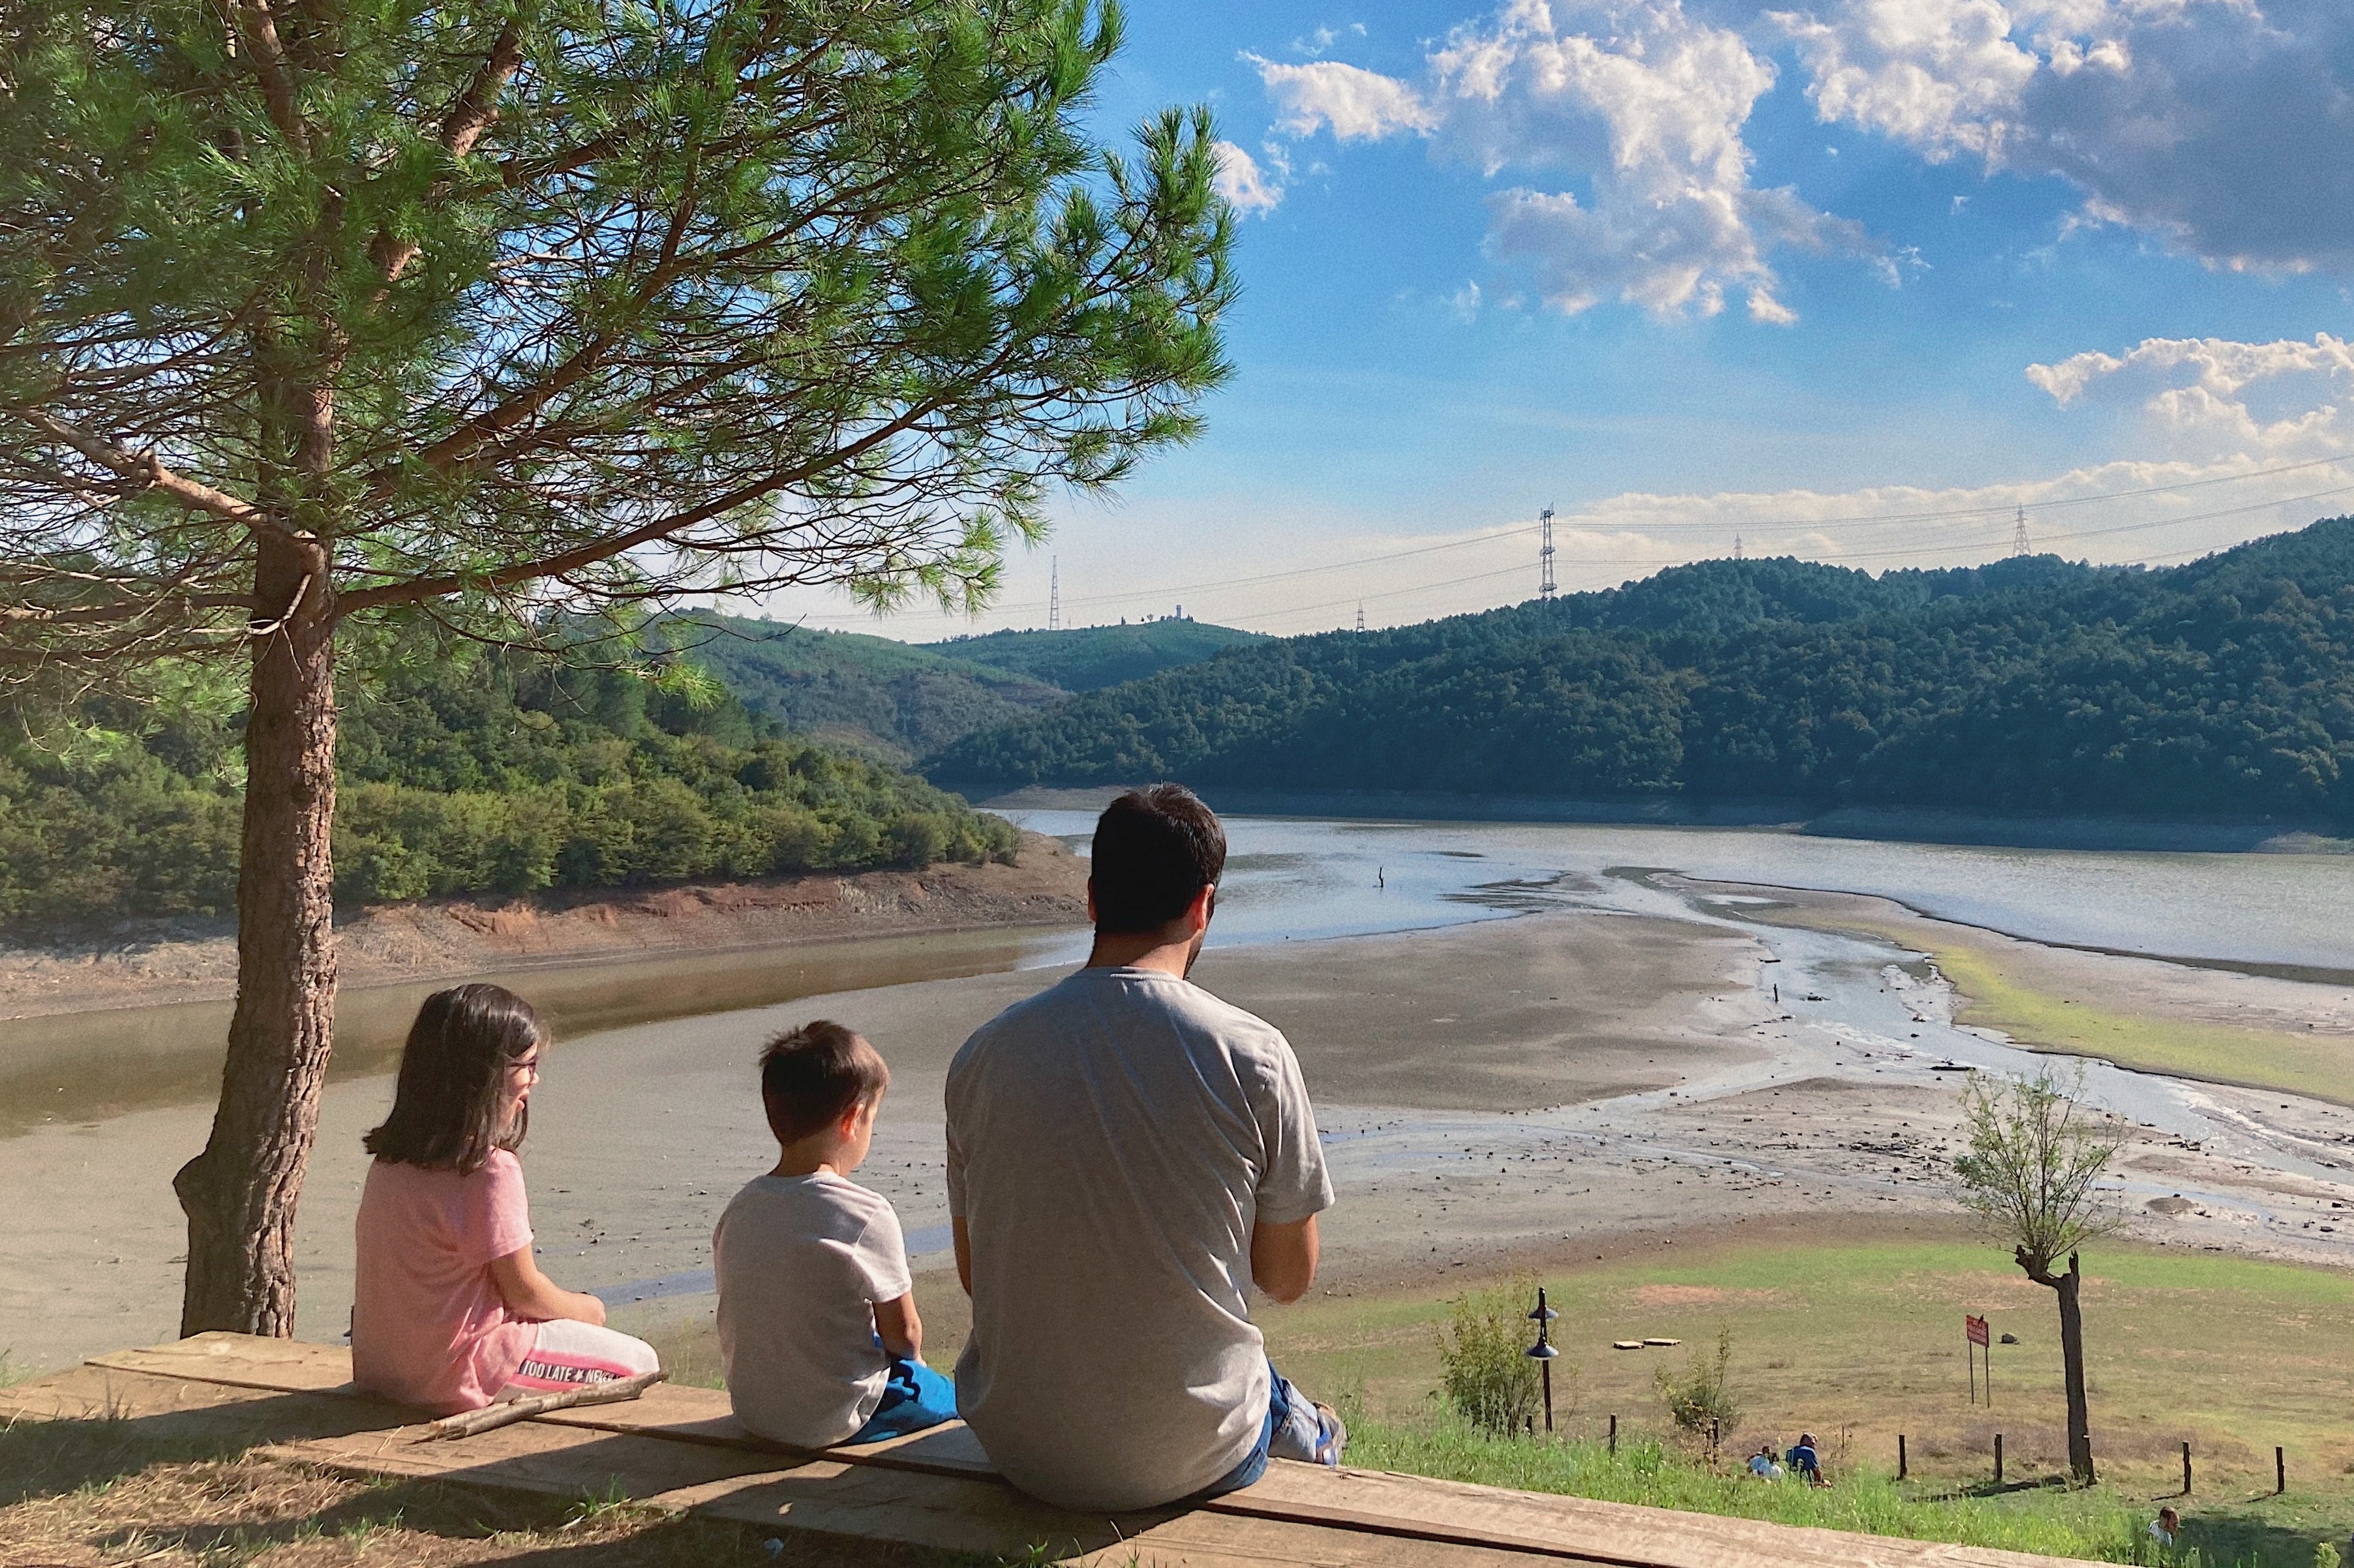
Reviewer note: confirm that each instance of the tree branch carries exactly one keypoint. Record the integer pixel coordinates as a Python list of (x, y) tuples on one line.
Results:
[(571, 560), (258, 28), (475, 111), (149, 473)]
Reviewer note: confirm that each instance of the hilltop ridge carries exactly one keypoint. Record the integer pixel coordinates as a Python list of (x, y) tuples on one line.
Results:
[(2223, 688), (897, 701)]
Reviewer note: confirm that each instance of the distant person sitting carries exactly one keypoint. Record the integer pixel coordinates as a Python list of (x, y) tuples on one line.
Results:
[(1763, 1466), (818, 1330), (2166, 1527), (1805, 1462), (1127, 1156), (448, 1309)]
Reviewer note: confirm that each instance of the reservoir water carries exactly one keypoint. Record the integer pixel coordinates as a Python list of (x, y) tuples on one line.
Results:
[(1306, 878)]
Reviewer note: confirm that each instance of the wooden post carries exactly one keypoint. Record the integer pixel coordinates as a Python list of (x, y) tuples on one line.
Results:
[(2280, 1471), (1997, 1459), (2186, 1466), (1901, 1466), (1614, 1437)]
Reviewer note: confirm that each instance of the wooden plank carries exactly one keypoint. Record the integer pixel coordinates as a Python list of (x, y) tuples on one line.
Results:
[(1204, 1539), (938, 1485), (533, 1457), (703, 1415), (917, 1510), (93, 1393), (1580, 1528), (241, 1361)]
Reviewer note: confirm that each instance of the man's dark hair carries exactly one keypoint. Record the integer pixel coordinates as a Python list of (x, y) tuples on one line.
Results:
[(812, 1077), (445, 1105), (1155, 850)]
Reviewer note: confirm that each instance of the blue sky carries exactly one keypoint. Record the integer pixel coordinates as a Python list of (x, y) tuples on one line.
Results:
[(1795, 272)]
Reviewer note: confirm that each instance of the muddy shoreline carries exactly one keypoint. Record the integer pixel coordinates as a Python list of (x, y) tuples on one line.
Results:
[(168, 962)]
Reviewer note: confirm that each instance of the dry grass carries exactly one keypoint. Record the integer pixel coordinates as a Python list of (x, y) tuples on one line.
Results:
[(92, 1492)]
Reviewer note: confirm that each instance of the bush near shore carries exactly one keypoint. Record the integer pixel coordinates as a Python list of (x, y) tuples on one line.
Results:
[(487, 775)]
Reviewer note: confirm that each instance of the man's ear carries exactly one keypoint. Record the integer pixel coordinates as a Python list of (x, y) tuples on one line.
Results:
[(1198, 913), (1091, 900)]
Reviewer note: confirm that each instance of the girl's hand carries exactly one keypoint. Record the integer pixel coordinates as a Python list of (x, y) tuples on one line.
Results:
[(532, 1296)]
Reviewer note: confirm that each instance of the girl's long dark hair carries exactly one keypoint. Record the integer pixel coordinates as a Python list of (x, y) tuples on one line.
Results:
[(445, 1111)]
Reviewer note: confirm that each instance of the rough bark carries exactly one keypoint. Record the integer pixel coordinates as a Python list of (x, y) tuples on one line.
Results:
[(240, 1194), (2071, 1356), (2067, 1288)]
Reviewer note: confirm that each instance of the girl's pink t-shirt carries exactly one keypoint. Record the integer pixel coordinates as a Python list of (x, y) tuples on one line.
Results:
[(429, 1325)]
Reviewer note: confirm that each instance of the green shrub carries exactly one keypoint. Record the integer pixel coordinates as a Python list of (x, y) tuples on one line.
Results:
[(1701, 1400), (1487, 1375)]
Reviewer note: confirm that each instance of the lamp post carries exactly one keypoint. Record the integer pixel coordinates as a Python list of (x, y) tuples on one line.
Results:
[(1544, 1350)]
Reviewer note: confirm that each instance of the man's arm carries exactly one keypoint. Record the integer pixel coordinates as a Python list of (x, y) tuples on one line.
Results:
[(1282, 1258), (963, 1253), (896, 1325)]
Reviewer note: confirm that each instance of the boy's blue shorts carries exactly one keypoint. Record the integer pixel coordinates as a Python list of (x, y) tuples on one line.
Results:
[(914, 1397)]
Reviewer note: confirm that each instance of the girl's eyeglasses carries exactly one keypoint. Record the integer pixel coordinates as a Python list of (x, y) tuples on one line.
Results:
[(526, 1066)]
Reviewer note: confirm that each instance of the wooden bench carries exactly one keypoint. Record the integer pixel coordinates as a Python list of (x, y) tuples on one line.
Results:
[(681, 1448)]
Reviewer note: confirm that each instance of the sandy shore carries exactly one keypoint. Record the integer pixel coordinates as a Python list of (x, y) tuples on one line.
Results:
[(169, 962), (1542, 1087)]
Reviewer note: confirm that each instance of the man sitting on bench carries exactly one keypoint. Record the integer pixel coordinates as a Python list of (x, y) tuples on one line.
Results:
[(1126, 1154)]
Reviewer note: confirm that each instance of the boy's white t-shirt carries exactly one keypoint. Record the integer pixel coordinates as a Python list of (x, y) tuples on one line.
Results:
[(800, 1262)]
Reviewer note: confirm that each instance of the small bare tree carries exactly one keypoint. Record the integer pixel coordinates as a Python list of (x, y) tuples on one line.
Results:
[(2035, 1160)]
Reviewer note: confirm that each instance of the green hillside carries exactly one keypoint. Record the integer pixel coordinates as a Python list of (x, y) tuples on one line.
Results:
[(1089, 658), (898, 701), (458, 775), (891, 701), (2219, 689)]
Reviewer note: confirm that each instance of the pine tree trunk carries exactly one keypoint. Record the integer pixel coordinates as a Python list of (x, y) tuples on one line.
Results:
[(240, 1193), (2072, 1356)]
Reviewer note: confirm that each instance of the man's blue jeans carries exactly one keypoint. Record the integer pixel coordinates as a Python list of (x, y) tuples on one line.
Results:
[(1291, 1431), (915, 1397)]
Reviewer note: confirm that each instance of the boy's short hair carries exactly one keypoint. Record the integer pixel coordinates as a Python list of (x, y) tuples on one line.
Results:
[(812, 1077), (1155, 850)]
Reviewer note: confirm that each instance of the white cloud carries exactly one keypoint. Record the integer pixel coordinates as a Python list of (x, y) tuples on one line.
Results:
[(1319, 40), (2211, 394), (1358, 105), (1247, 187), (1938, 74), (1642, 100), (2215, 123)]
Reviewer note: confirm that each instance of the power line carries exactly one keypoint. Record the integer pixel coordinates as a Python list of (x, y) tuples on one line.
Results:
[(1844, 556), (1543, 527)]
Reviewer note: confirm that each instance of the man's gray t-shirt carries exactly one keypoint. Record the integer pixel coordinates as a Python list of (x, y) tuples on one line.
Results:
[(1112, 1141)]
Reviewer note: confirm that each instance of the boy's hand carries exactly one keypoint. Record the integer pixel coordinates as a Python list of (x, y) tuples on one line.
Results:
[(896, 1325)]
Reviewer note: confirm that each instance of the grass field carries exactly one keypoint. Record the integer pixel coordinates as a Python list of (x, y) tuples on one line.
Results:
[(1857, 1341), (1998, 990), (1998, 998)]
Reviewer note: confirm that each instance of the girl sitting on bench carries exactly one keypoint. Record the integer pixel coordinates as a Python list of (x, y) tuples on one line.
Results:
[(448, 1311)]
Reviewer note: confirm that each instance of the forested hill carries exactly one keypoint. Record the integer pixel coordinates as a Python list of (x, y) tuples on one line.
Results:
[(2223, 688), (489, 775), (899, 701), (1089, 658)]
